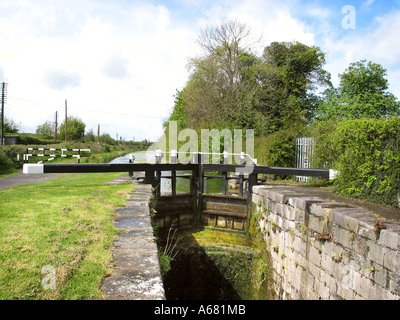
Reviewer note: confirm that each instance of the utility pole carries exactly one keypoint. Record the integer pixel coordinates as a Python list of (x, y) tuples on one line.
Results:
[(66, 120), (55, 128), (3, 101), (262, 130), (98, 133)]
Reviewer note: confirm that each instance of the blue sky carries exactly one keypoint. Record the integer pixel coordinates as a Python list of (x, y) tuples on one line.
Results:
[(118, 63)]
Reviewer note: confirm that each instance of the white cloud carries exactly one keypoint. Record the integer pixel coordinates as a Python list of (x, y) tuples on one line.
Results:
[(120, 61), (273, 20), (117, 60), (379, 45), (61, 79)]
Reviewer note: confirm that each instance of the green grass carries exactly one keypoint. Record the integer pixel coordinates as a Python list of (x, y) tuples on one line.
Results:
[(65, 223)]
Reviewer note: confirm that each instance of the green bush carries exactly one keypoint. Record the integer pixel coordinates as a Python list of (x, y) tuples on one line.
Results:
[(277, 149), (27, 139), (8, 156), (367, 154)]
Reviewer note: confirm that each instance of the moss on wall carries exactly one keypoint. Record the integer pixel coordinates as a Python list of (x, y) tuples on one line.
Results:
[(214, 264)]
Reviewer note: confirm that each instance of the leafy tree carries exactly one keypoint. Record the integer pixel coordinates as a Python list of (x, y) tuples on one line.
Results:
[(292, 71), (220, 87), (178, 113), (75, 129), (46, 129), (362, 92), (106, 139), (230, 87), (90, 136), (10, 126)]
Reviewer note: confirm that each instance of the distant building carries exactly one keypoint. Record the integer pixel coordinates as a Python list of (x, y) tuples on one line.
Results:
[(10, 139)]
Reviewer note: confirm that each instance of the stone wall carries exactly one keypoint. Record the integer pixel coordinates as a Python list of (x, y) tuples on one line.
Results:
[(326, 250)]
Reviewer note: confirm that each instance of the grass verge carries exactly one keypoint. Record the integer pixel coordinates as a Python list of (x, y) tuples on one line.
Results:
[(63, 225)]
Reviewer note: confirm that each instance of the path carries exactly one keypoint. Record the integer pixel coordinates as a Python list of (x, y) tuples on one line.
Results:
[(136, 273), (20, 179)]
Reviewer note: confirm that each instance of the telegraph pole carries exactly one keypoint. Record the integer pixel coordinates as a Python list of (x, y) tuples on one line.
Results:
[(3, 101), (55, 129), (66, 120), (98, 133)]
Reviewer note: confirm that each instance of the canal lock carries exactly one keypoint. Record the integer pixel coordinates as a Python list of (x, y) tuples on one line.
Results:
[(212, 264)]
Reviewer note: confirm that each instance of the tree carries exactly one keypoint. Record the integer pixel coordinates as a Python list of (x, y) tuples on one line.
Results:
[(220, 86), (292, 71), (106, 139), (362, 92), (10, 126), (76, 129), (230, 87), (46, 129), (178, 113), (90, 136)]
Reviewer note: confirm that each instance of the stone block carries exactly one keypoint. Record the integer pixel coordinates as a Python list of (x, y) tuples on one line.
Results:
[(345, 293), (315, 224), (257, 199), (350, 223), (289, 225), (343, 237), (136, 260), (389, 239), (365, 287), (314, 256), (381, 276), (238, 223), (130, 285), (304, 203), (391, 260), (320, 209), (229, 222), (221, 222), (375, 252), (256, 190), (327, 263), (361, 245), (366, 230), (276, 196), (300, 215), (394, 284), (135, 244), (290, 213), (264, 192)]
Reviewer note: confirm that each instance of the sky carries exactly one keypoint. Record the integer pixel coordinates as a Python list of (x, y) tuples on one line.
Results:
[(118, 63)]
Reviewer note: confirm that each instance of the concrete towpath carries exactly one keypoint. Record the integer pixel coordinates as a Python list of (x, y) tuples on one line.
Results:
[(136, 274), (20, 179)]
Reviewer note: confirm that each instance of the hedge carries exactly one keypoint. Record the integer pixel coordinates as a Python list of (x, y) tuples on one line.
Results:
[(367, 154), (8, 156), (277, 149)]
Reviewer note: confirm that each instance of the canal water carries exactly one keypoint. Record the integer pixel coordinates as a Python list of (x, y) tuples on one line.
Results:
[(182, 184)]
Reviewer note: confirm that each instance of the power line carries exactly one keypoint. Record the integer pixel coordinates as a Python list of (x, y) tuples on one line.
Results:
[(93, 111), (120, 114)]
